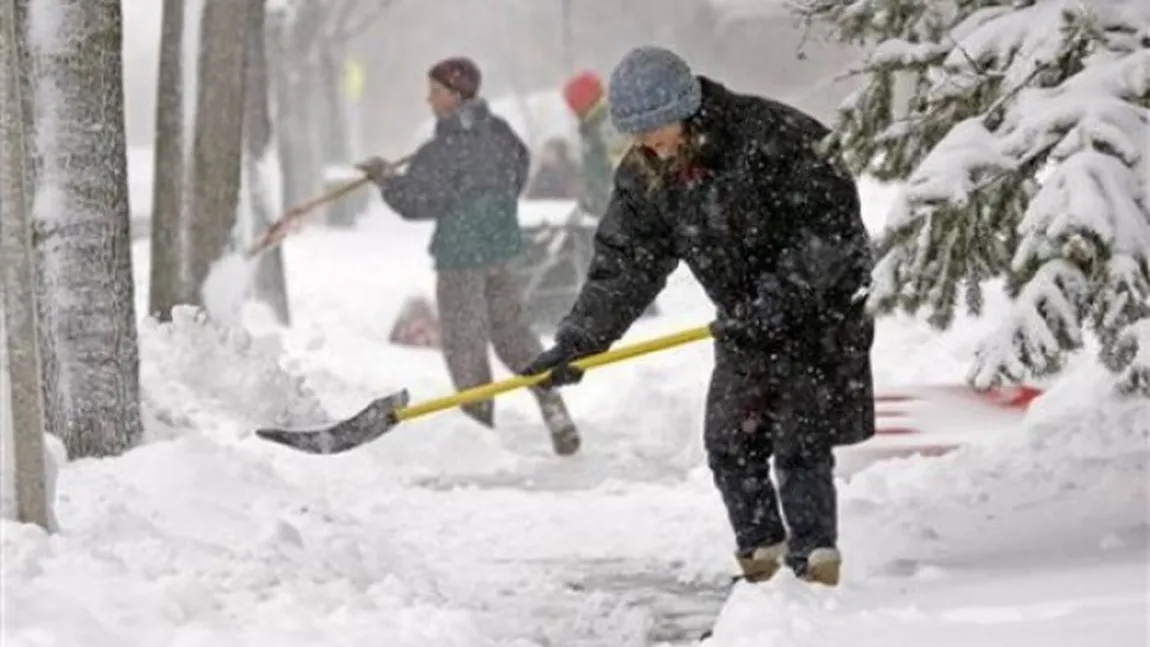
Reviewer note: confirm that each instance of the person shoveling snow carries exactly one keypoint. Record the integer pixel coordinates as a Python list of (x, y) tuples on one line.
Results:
[(468, 179), (732, 185)]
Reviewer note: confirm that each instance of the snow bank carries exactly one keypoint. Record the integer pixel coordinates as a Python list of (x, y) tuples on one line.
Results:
[(196, 539), (1074, 484), (1075, 477), (193, 543), (197, 374)]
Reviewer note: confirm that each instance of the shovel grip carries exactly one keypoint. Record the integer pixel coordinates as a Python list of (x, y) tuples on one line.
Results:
[(488, 391)]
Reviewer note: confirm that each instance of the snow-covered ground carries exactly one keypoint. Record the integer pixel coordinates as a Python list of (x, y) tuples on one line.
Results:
[(444, 534)]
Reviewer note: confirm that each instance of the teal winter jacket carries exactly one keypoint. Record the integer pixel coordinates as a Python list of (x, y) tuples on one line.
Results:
[(467, 178)]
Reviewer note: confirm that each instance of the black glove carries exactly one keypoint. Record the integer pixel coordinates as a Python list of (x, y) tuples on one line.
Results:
[(557, 359)]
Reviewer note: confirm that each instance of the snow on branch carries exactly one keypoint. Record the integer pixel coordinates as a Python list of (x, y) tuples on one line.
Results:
[(1132, 352), (1046, 320), (1091, 209), (1023, 146), (1005, 44), (929, 240)]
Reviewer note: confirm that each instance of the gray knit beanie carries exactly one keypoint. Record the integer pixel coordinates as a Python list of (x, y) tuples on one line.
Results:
[(650, 88)]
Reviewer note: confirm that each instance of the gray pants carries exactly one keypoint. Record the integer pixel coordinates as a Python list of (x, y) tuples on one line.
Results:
[(483, 305)]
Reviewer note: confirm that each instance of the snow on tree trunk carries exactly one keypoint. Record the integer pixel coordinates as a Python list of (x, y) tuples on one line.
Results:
[(1025, 157), (88, 334), (217, 145), (167, 287), (24, 469)]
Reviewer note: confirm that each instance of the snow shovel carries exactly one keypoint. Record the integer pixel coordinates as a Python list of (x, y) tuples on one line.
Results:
[(383, 414), (295, 216)]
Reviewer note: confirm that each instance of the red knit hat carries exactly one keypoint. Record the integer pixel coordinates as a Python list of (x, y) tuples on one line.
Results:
[(459, 74), (583, 92)]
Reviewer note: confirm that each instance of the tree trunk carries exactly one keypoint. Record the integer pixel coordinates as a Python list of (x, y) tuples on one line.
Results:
[(26, 65), (333, 130), (217, 146), (88, 337), (303, 39), (269, 285), (167, 286), (24, 417), (291, 149)]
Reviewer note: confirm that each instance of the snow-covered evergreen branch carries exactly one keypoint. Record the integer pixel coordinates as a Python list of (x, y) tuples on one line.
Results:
[(1024, 153)]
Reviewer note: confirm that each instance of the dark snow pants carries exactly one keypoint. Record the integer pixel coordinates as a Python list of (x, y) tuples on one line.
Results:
[(478, 306), (750, 419)]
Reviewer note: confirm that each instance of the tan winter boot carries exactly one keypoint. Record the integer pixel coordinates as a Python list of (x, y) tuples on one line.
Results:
[(762, 563), (823, 566)]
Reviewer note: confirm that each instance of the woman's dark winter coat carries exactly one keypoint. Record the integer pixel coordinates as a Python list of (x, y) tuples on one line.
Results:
[(468, 179), (773, 233)]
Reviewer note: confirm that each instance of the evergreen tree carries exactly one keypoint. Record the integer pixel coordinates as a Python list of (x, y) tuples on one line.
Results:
[(1023, 143)]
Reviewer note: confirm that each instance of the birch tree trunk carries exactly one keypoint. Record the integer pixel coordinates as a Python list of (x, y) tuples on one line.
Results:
[(217, 146), (262, 161), (24, 417), (167, 286), (88, 337)]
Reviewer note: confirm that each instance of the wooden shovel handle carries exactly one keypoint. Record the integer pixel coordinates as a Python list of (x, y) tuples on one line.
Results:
[(295, 216)]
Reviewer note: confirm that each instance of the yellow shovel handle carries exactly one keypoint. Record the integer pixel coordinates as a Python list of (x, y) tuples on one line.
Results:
[(487, 391)]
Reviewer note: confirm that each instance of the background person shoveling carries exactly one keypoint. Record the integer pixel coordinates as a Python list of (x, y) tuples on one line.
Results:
[(229, 278), (468, 178)]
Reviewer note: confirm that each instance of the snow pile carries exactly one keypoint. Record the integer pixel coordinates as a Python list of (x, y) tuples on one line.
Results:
[(226, 287), (1076, 475), (194, 539), (192, 543), (1074, 484), (196, 372)]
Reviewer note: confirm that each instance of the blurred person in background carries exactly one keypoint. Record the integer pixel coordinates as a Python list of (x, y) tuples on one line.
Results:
[(467, 179), (602, 146), (558, 175)]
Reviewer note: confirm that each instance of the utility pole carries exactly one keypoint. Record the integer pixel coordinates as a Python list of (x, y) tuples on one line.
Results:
[(17, 286)]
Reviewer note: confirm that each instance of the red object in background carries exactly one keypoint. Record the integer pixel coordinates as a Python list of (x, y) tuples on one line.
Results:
[(417, 324), (895, 411), (582, 92), (1010, 397)]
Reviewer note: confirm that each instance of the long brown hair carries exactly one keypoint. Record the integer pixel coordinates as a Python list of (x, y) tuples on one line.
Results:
[(658, 171)]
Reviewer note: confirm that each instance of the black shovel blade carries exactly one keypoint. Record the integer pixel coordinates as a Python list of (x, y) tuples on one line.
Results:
[(374, 421)]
